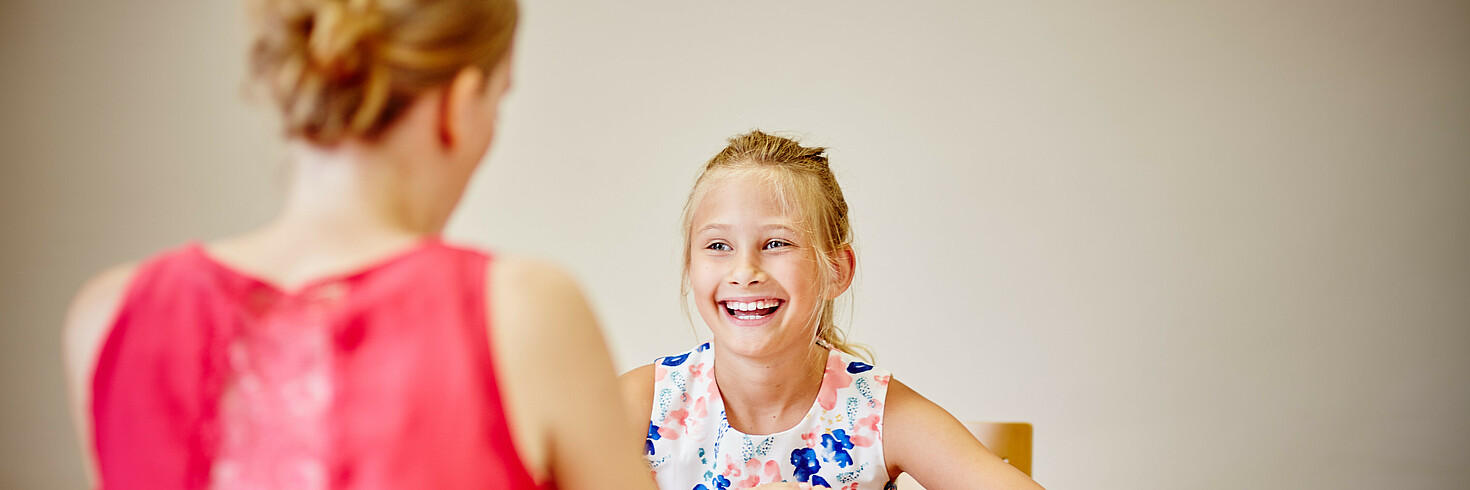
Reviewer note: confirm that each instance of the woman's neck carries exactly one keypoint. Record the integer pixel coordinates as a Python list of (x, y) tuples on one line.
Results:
[(346, 207), (769, 395), (349, 191)]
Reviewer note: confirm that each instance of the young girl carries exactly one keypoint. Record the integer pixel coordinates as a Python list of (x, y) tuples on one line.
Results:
[(344, 345), (789, 402)]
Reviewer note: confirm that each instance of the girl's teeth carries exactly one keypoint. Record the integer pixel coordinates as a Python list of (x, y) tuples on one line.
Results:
[(739, 307), (755, 305)]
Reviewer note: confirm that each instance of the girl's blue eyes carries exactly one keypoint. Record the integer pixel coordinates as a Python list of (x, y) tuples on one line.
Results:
[(725, 247)]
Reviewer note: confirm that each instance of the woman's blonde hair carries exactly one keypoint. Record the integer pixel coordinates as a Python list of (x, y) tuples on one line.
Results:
[(348, 68), (808, 191)]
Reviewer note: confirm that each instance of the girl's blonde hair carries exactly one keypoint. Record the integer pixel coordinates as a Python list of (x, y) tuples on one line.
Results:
[(348, 68), (808, 191)]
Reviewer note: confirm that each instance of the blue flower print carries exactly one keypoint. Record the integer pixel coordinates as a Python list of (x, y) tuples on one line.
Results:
[(672, 361), (721, 483), (652, 436), (806, 464), (818, 481), (702, 347), (858, 367), (835, 446)]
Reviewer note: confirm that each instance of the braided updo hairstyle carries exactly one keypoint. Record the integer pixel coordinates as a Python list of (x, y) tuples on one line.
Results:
[(347, 68)]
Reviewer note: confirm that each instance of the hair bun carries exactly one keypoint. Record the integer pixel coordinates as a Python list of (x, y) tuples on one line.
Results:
[(347, 68), (343, 36)]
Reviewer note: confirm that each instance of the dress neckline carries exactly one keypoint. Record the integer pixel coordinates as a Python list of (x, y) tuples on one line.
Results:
[(256, 281)]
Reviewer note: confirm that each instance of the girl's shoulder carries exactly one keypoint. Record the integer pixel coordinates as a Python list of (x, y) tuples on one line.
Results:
[(639, 383), (686, 358), (857, 366)]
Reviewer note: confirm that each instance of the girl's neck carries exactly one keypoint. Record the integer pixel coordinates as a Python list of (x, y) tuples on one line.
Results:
[(769, 395)]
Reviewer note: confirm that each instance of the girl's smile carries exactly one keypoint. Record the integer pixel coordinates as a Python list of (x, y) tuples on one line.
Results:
[(749, 312)]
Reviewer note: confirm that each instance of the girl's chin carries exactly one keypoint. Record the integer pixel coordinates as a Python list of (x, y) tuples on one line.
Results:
[(755, 346)]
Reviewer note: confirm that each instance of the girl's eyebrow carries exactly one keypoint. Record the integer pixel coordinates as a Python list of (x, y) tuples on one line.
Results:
[(713, 226), (763, 228), (775, 226)]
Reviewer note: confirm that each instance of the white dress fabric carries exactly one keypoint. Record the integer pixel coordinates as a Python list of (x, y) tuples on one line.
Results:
[(838, 444)]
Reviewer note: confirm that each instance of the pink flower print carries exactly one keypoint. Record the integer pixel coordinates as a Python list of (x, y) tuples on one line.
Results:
[(812, 438), (697, 418), (732, 470), (696, 370), (853, 486), (756, 473), (882, 380), (701, 408), (679, 417), (834, 378), (865, 430), (659, 372), (869, 423)]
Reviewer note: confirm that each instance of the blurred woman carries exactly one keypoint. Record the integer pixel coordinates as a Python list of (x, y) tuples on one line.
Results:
[(344, 344)]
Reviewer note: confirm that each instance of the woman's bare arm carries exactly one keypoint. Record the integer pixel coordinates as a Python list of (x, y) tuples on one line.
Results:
[(564, 403), (88, 321)]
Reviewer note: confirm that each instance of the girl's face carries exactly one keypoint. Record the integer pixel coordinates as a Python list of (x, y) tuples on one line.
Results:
[(754, 278)]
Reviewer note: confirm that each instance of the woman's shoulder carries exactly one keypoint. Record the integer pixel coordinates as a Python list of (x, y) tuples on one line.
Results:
[(101, 298), (93, 309), (535, 301)]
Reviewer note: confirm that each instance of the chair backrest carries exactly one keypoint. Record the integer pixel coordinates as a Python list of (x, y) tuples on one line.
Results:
[(1009, 440)]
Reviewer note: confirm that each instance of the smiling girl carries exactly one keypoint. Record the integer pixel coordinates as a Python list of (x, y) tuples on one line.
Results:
[(790, 402)]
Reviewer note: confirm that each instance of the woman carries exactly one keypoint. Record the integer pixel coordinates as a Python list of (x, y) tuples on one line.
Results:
[(344, 345)]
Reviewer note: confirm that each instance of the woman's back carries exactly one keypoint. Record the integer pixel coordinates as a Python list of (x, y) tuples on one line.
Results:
[(378, 378)]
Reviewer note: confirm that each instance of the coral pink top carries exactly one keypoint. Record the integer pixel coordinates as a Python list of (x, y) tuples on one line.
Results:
[(379, 379)]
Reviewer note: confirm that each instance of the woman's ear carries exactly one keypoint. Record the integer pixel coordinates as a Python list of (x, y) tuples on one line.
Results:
[(459, 107), (846, 268)]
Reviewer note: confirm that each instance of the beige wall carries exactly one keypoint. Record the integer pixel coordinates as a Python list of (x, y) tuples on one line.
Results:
[(1199, 244)]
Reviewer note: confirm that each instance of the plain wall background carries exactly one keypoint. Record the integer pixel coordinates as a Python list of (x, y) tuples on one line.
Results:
[(1214, 244)]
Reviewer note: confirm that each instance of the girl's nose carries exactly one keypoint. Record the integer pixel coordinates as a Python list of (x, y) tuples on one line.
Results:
[(747, 272)]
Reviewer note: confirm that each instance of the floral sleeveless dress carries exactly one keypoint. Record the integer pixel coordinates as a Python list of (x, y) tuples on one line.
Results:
[(839, 444)]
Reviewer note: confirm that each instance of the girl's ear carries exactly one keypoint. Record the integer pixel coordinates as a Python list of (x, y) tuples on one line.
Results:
[(846, 267), (458, 104)]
